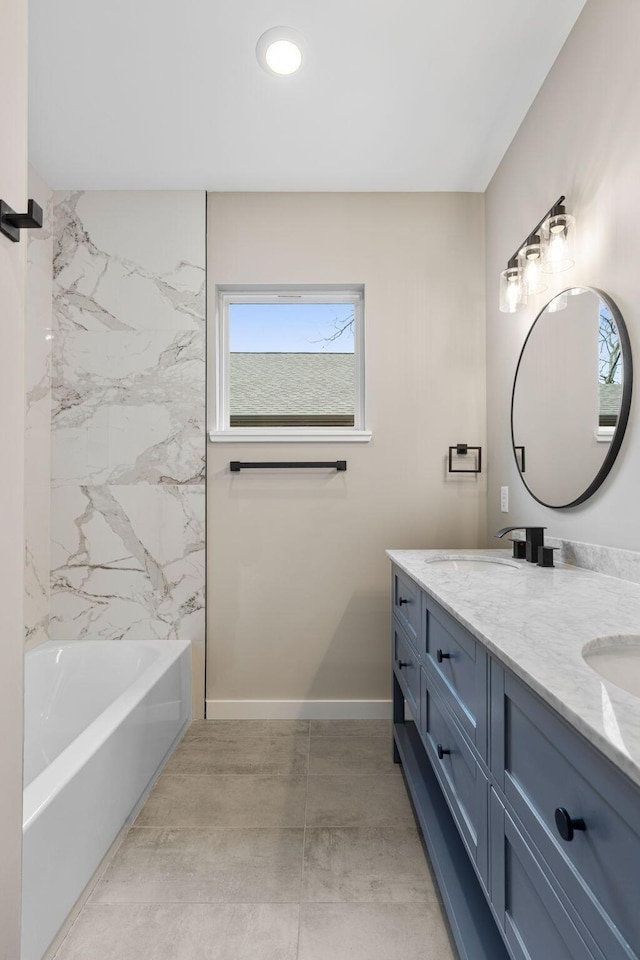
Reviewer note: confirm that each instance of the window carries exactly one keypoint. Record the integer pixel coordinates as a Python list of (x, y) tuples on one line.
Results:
[(289, 364)]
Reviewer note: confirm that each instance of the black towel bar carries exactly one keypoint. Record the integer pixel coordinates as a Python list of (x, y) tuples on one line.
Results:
[(235, 466)]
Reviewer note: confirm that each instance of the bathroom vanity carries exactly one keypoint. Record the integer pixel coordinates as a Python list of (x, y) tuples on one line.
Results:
[(522, 762)]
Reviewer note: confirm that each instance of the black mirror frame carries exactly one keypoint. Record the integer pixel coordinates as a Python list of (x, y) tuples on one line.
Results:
[(625, 405)]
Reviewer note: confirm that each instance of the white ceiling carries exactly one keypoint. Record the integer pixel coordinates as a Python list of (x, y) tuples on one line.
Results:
[(393, 95)]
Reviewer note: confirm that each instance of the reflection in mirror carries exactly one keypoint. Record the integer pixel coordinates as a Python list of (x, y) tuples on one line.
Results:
[(571, 397)]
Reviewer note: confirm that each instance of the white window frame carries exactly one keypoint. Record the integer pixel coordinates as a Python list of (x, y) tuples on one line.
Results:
[(219, 413)]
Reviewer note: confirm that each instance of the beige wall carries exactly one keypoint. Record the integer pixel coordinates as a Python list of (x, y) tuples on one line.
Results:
[(298, 583), (580, 138), (13, 181)]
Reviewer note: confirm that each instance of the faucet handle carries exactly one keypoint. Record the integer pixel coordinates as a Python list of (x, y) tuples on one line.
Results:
[(519, 549)]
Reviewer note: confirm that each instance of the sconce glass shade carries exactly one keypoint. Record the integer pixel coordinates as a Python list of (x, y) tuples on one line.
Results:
[(512, 294), (558, 242), (530, 258), (558, 303)]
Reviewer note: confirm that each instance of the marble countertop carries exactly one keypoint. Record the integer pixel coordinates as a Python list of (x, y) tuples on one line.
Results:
[(536, 621)]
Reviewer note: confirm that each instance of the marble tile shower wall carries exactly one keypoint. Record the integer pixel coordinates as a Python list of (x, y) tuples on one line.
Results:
[(128, 416), (37, 491)]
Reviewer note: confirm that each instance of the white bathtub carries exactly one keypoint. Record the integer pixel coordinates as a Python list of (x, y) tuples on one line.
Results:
[(101, 718)]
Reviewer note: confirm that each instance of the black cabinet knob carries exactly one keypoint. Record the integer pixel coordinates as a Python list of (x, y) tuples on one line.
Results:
[(401, 600), (566, 826), (442, 753), (440, 656), (403, 663)]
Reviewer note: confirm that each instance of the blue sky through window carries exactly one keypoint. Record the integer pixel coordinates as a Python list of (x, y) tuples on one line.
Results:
[(290, 327)]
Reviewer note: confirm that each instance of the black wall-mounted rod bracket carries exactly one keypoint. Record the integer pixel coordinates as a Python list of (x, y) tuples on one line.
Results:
[(11, 223)]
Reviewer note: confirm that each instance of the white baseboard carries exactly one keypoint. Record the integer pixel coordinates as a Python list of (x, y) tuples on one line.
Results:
[(299, 709)]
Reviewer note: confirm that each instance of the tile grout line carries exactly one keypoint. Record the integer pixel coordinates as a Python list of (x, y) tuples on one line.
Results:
[(230, 903), (304, 843)]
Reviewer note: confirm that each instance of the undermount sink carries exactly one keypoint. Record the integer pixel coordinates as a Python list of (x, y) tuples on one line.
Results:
[(467, 563), (617, 659)]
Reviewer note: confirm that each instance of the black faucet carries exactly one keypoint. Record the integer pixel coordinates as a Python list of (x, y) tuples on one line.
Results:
[(534, 548)]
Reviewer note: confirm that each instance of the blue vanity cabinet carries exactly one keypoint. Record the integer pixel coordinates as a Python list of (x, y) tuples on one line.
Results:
[(542, 765), (534, 835)]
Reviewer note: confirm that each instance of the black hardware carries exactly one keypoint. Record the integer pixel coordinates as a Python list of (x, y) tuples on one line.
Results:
[(461, 450), (11, 223), (535, 539), (442, 752), (403, 663), (235, 466), (545, 556), (521, 465), (566, 825), (440, 656), (552, 211), (519, 549), (401, 600)]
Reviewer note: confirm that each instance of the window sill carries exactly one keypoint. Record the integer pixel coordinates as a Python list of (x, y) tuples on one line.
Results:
[(288, 435)]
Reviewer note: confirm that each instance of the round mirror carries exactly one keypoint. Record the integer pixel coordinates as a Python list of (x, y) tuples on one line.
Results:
[(571, 397)]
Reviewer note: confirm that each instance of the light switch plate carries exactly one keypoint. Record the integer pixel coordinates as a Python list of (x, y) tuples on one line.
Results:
[(504, 499)]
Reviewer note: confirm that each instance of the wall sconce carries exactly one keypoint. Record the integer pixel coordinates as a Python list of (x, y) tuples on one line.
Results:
[(558, 233), (512, 293), (531, 260), (548, 249)]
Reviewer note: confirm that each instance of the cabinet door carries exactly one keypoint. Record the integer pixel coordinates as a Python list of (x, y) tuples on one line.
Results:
[(533, 919), (546, 766), (459, 665), (406, 604), (461, 778), (407, 670)]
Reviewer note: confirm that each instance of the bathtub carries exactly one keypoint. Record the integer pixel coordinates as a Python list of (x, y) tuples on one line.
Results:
[(101, 718)]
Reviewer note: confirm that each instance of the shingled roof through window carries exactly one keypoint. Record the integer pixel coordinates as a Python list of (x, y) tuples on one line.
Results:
[(272, 384)]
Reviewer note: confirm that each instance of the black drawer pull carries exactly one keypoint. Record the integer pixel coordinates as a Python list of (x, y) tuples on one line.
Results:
[(403, 663), (442, 753), (440, 656), (401, 600), (566, 825)]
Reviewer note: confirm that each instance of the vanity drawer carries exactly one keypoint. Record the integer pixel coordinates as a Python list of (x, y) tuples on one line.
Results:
[(461, 778), (548, 767), (406, 604), (407, 669), (459, 663), (534, 921)]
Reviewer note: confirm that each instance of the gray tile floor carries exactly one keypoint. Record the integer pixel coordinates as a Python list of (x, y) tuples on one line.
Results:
[(269, 840)]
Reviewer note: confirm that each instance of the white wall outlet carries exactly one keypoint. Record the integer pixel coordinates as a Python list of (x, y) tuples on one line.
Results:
[(504, 499)]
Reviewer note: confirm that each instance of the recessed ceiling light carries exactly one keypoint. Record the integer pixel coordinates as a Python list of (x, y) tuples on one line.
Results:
[(279, 51)]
